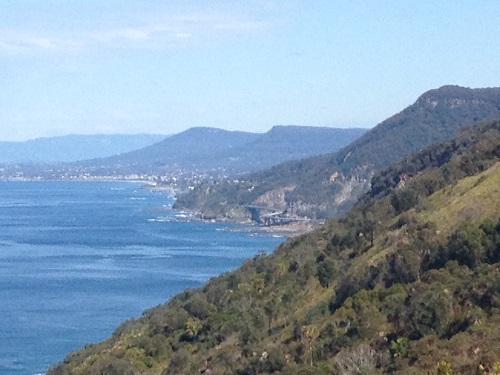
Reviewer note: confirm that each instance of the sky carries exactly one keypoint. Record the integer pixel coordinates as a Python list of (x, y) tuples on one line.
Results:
[(86, 67)]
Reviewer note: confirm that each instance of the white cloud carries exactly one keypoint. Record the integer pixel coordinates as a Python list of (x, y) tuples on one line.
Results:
[(24, 43), (144, 31), (45, 43)]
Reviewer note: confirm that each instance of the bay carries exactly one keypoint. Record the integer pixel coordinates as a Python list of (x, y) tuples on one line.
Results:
[(78, 258)]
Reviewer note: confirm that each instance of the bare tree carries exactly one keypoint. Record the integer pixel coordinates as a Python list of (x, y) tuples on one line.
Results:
[(357, 361), (310, 333)]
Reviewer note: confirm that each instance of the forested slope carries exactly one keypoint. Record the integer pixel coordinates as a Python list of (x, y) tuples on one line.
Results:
[(408, 282), (326, 186)]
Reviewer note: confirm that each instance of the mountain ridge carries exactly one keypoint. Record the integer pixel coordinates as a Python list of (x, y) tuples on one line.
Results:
[(235, 152), (340, 177)]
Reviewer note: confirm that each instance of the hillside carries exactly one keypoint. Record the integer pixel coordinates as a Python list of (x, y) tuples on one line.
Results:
[(182, 150), (207, 149), (290, 142), (73, 147), (327, 185), (405, 283)]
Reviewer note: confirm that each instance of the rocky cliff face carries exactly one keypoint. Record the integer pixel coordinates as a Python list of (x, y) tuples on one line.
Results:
[(278, 199), (455, 96), (347, 188)]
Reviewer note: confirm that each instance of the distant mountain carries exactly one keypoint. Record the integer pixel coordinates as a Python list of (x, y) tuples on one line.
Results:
[(73, 147), (326, 185), (407, 282), (206, 149), (195, 148)]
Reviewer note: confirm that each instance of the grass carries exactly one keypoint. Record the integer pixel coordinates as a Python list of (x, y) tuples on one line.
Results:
[(474, 198)]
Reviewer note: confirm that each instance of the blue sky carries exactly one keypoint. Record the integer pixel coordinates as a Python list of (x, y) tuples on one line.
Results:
[(124, 66)]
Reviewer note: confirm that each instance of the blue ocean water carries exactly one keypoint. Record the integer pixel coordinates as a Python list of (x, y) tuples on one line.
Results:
[(78, 258)]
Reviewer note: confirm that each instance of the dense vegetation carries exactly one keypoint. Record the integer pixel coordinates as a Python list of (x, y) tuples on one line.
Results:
[(405, 283), (328, 185)]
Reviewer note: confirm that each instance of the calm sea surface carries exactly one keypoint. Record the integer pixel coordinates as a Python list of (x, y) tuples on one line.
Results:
[(78, 258)]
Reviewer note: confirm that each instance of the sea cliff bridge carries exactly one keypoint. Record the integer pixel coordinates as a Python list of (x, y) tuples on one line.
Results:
[(268, 216)]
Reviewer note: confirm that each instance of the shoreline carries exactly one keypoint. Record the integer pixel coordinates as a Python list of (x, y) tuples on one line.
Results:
[(286, 230)]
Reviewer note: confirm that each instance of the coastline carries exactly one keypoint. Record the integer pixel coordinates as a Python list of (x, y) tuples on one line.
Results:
[(286, 230)]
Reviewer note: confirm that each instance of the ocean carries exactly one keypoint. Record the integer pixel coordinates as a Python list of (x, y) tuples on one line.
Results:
[(78, 258)]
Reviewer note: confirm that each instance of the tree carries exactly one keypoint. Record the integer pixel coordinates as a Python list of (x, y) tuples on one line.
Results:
[(326, 272), (193, 327), (404, 199), (494, 371), (258, 283), (360, 360), (466, 246), (271, 308), (444, 368), (369, 225), (310, 333)]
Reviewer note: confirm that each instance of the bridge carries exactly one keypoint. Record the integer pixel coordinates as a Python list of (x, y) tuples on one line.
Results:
[(255, 212), (272, 217)]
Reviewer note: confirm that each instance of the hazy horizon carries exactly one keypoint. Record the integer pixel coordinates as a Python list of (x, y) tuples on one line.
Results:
[(124, 67), (171, 134)]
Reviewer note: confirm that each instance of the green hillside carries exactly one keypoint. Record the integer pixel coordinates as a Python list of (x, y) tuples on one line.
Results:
[(405, 283), (326, 186)]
